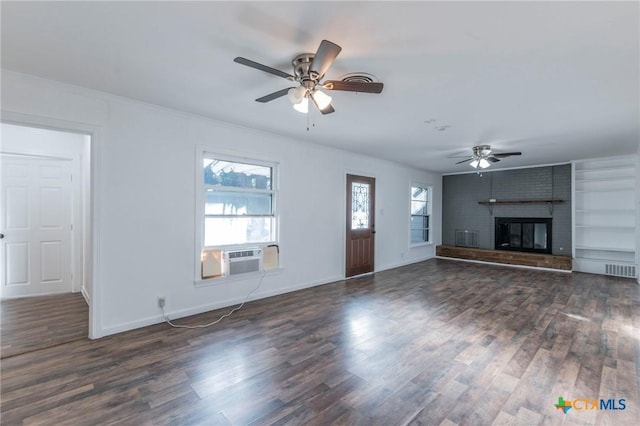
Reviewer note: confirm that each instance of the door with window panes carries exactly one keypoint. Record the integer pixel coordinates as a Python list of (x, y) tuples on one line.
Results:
[(360, 226)]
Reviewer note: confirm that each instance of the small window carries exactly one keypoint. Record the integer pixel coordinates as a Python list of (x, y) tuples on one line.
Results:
[(420, 214), (239, 203)]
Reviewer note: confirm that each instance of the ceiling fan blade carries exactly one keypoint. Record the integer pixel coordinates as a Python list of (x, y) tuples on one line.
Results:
[(506, 154), (493, 159), (353, 86), (324, 57), (465, 160), (274, 95), (256, 65)]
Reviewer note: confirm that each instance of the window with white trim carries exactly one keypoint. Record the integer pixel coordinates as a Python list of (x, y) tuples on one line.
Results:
[(239, 202), (420, 215)]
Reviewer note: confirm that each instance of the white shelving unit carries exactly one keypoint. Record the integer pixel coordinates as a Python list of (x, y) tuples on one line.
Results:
[(604, 216)]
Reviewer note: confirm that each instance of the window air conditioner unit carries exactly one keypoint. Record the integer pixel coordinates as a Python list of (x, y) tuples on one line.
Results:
[(242, 261)]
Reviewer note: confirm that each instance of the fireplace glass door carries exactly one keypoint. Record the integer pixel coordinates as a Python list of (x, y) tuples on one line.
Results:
[(523, 234)]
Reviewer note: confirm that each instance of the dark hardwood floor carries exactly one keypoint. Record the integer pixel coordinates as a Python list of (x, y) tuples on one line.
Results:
[(33, 323), (438, 342)]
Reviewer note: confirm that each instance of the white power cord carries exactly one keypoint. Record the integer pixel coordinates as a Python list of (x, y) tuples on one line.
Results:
[(228, 314)]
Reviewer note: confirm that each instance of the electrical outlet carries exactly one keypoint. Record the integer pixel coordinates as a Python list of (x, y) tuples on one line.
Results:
[(161, 301)]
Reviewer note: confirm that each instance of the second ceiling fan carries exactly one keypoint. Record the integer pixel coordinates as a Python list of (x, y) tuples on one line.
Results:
[(308, 71), (482, 156)]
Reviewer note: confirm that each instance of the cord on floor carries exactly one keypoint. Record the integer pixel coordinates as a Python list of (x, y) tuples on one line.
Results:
[(228, 314)]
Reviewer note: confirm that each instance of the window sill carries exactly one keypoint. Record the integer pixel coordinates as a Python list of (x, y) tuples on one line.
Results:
[(207, 282), (417, 245)]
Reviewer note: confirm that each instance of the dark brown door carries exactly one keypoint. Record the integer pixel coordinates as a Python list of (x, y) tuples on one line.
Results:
[(361, 229)]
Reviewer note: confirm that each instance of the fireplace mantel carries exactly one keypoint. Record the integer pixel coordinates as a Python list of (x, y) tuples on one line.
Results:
[(493, 202)]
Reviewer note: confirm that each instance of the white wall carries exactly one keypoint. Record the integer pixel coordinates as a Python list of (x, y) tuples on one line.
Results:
[(74, 147), (144, 196), (638, 212)]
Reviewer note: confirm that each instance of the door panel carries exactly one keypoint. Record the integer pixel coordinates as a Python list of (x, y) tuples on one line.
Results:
[(360, 225), (51, 254), (17, 263), (51, 217), (16, 204), (36, 223)]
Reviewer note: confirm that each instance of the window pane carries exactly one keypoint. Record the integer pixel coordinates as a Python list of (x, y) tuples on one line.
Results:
[(419, 235), (418, 207), (418, 194), (359, 205), (237, 230), (416, 236), (237, 203), (419, 222), (236, 175)]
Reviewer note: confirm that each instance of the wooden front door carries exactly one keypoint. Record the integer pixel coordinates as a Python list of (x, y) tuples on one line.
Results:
[(360, 231)]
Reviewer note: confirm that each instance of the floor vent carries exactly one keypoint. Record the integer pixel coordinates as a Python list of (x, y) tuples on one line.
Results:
[(620, 270), (466, 238)]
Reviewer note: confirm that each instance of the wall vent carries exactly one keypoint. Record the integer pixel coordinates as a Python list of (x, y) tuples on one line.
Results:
[(620, 270), (466, 238), (243, 261)]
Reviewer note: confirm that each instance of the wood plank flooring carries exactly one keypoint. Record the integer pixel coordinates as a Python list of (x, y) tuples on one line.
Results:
[(440, 342), (33, 323)]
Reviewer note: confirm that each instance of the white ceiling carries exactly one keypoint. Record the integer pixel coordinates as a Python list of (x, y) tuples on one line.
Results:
[(555, 80)]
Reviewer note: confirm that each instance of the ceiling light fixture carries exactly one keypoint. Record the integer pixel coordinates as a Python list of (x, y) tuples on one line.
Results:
[(321, 99), (296, 94), (480, 155), (302, 106)]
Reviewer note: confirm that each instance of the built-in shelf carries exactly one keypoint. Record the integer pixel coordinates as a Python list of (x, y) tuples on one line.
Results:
[(622, 211), (594, 248), (591, 191), (605, 216), (628, 228)]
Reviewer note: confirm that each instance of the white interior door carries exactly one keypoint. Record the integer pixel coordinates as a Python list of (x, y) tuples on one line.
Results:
[(36, 226)]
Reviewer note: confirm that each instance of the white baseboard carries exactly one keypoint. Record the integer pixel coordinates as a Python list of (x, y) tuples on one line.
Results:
[(404, 263), (181, 313), (86, 295)]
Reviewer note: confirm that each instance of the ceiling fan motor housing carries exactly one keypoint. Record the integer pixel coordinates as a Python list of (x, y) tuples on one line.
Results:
[(481, 151), (302, 70)]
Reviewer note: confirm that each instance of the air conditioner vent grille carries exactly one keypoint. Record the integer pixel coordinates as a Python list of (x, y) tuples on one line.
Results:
[(620, 270), (243, 253)]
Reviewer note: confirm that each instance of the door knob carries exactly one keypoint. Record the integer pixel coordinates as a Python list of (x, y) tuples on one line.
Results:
[(1, 236)]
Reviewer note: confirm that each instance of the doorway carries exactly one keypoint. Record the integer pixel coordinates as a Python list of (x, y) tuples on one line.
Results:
[(45, 221), (360, 225)]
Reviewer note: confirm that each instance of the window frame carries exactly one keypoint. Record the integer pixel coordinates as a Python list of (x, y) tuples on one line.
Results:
[(200, 199), (429, 213)]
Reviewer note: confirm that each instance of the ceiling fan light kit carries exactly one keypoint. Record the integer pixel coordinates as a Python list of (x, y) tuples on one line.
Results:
[(308, 71), (302, 106)]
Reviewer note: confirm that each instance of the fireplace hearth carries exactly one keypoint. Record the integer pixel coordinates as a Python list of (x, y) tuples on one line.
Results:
[(523, 234)]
